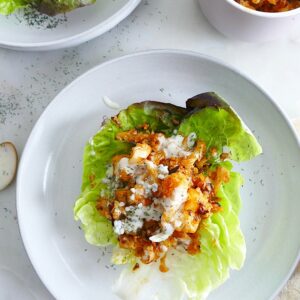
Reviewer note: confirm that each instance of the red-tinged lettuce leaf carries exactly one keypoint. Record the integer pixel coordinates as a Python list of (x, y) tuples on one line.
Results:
[(218, 125)]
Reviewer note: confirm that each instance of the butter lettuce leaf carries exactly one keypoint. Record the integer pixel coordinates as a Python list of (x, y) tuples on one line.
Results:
[(9, 6), (161, 117), (218, 125), (98, 153)]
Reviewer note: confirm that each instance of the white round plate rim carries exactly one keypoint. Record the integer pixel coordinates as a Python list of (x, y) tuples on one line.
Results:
[(56, 100), (79, 38)]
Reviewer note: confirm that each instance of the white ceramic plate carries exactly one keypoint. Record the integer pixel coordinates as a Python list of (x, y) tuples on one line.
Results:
[(28, 31), (50, 174)]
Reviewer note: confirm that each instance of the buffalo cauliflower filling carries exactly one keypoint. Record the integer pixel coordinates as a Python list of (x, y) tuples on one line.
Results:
[(161, 193), (270, 5)]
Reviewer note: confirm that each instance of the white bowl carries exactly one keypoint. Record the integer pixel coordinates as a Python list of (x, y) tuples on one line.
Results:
[(238, 22)]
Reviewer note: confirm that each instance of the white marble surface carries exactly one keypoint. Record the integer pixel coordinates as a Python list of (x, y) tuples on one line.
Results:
[(29, 81)]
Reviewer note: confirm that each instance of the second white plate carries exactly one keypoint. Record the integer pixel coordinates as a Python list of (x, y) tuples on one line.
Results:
[(33, 31), (49, 176)]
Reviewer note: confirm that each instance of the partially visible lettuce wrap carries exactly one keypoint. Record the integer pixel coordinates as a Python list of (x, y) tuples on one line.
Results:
[(9, 6), (222, 242), (54, 7), (49, 7)]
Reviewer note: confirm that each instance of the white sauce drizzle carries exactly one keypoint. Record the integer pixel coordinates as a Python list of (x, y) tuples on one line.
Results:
[(172, 146), (136, 215), (192, 137), (109, 103), (172, 206)]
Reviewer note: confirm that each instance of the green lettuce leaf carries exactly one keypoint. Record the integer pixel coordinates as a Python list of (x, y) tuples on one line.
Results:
[(9, 6), (218, 125), (161, 117), (122, 256), (97, 155)]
